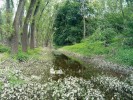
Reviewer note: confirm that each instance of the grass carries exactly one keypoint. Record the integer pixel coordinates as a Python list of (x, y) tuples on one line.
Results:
[(88, 48), (114, 52), (123, 56), (12, 78), (4, 48), (24, 56)]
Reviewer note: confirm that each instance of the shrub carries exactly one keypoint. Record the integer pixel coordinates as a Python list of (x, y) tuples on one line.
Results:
[(21, 56), (70, 88), (35, 51), (4, 49), (97, 36), (97, 48), (128, 41), (105, 35), (124, 56)]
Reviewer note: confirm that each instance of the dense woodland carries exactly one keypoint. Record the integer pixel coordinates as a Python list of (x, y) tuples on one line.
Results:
[(100, 32), (65, 22), (105, 26)]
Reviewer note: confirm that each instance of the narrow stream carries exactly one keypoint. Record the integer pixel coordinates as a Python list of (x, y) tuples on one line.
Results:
[(65, 67)]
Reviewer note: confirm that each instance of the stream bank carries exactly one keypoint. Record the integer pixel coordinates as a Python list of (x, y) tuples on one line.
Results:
[(99, 62)]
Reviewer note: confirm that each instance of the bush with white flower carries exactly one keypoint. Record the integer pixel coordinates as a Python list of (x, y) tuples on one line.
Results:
[(112, 84), (70, 88)]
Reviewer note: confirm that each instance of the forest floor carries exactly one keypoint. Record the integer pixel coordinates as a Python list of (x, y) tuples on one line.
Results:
[(31, 80)]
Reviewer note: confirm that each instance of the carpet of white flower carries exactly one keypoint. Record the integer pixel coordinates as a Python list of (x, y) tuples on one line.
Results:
[(70, 88), (121, 90)]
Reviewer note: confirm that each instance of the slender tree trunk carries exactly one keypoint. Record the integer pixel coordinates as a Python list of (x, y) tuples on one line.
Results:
[(33, 28), (29, 34), (25, 28), (47, 2), (84, 22), (121, 7), (8, 19), (21, 24), (1, 36), (14, 38), (1, 22), (46, 43), (32, 38), (8, 11)]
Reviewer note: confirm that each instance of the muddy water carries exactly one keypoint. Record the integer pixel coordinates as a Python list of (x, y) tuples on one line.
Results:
[(70, 67)]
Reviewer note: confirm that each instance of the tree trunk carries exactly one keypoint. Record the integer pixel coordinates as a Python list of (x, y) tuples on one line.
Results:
[(84, 33), (84, 23), (14, 38), (8, 11), (25, 28), (8, 19), (33, 28), (32, 38), (121, 6), (21, 24)]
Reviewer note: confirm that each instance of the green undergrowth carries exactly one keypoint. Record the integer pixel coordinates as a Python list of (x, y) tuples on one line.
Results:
[(30, 54), (88, 49), (114, 51), (12, 79), (20, 56), (4, 48), (122, 56)]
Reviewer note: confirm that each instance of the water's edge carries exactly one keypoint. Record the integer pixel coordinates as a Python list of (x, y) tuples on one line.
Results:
[(98, 62)]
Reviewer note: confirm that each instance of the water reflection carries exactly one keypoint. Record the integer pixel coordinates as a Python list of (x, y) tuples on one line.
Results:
[(64, 67)]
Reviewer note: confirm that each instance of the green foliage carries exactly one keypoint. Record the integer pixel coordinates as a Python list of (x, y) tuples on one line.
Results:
[(115, 20), (112, 35), (24, 56), (68, 24), (128, 31), (4, 48), (105, 35), (88, 48), (123, 56), (91, 25), (95, 45), (34, 51), (108, 34), (128, 41), (1, 84), (13, 79), (97, 36), (7, 29), (21, 56)]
